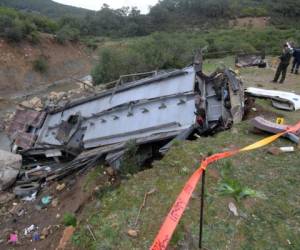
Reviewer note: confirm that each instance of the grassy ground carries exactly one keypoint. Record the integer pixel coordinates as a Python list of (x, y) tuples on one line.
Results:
[(269, 221)]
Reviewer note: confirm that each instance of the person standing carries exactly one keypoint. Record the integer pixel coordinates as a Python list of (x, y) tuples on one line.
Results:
[(296, 61), (284, 63)]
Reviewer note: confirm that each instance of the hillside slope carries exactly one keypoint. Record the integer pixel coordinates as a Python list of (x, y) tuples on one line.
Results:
[(17, 72), (46, 7)]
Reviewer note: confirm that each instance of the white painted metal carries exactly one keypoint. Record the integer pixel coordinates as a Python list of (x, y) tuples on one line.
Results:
[(277, 95), (175, 85)]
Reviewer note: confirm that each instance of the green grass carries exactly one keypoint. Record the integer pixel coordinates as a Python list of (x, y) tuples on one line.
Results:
[(268, 221)]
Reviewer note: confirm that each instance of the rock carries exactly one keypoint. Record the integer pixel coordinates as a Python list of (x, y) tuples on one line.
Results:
[(233, 208), (67, 234), (54, 203), (60, 187), (110, 171), (34, 103), (54, 96), (16, 207), (6, 197), (132, 233), (274, 151), (45, 232), (10, 165)]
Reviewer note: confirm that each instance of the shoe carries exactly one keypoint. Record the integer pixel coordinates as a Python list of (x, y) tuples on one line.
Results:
[(274, 81), (281, 82)]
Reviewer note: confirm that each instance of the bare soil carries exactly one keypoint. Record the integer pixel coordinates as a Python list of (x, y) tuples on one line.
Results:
[(254, 22), (16, 60), (71, 200)]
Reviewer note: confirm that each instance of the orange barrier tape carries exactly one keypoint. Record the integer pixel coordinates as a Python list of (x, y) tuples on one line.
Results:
[(169, 225)]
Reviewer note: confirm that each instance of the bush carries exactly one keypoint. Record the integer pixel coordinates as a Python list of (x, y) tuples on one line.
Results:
[(67, 33), (16, 26), (40, 65), (34, 37), (15, 32), (175, 50), (91, 43), (130, 164), (69, 219)]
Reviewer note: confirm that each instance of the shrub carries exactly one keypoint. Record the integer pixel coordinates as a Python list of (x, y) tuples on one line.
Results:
[(34, 37), (91, 43), (130, 164), (66, 33), (69, 219), (40, 64), (15, 32), (16, 26)]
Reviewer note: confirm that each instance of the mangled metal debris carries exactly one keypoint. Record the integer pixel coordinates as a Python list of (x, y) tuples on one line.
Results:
[(151, 110), (280, 99), (250, 60), (274, 128)]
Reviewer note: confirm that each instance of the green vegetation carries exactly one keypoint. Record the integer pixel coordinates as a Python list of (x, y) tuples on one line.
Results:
[(69, 219), (45, 7), (229, 186), (40, 64), (16, 26), (175, 50), (67, 33), (130, 163), (167, 15)]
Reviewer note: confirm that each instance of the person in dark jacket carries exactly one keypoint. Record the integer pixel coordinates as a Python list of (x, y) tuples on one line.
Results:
[(284, 63), (296, 61)]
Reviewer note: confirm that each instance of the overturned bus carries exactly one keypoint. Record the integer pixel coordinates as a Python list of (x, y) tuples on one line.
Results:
[(159, 108)]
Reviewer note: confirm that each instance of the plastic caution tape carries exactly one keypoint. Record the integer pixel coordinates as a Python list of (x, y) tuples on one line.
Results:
[(169, 225)]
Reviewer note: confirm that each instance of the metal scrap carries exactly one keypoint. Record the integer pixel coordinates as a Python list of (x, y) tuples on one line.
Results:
[(274, 128), (280, 99), (250, 60), (151, 110)]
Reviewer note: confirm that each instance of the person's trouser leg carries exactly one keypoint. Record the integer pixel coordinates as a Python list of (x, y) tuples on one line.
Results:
[(293, 65), (278, 71), (297, 67), (283, 73)]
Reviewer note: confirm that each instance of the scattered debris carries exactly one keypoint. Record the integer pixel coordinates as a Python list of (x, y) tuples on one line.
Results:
[(250, 60), (36, 236), (27, 190), (45, 232), (32, 197), (152, 191), (280, 99), (46, 200), (287, 149), (54, 202), (16, 209), (91, 232), (35, 103), (60, 187), (6, 197), (10, 166), (13, 238), (270, 127), (29, 229), (233, 209)]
